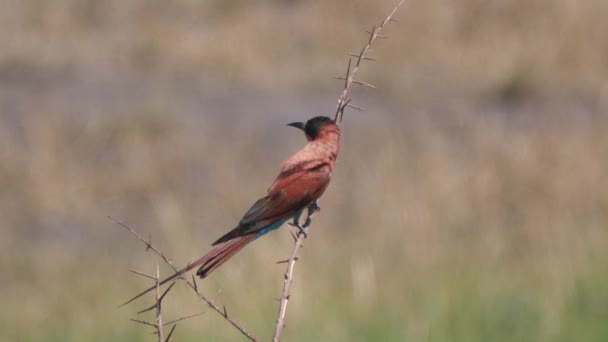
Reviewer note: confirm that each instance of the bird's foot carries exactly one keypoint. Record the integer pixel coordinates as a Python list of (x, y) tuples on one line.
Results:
[(302, 229), (313, 208)]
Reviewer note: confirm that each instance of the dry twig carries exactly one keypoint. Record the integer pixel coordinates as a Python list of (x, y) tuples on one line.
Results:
[(191, 284), (286, 286), (159, 299), (362, 55), (158, 325), (288, 277)]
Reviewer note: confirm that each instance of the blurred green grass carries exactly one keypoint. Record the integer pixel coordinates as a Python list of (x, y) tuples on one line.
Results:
[(468, 204)]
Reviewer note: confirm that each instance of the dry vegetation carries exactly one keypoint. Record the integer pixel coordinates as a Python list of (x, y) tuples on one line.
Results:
[(469, 203)]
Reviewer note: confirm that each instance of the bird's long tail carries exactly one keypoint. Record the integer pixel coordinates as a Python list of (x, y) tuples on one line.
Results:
[(221, 253), (208, 263)]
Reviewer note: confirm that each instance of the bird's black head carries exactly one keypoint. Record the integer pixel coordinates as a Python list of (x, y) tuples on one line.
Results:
[(312, 126)]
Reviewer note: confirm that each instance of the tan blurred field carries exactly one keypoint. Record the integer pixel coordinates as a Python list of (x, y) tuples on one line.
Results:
[(469, 203)]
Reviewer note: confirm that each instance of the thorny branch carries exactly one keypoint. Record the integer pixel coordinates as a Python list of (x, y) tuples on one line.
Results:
[(159, 299), (362, 55), (343, 103), (286, 286), (158, 325), (191, 284), (288, 277)]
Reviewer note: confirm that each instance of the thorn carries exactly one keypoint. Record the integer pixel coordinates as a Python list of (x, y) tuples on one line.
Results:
[(143, 322), (166, 291), (142, 274), (148, 309), (347, 72), (171, 333), (225, 312), (183, 318), (292, 234), (342, 107), (371, 35), (376, 35), (217, 295), (194, 283), (283, 261), (149, 243), (394, 20), (364, 57), (160, 299), (361, 83), (357, 108)]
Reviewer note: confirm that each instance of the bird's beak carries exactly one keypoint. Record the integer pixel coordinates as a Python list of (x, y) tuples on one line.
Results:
[(299, 125)]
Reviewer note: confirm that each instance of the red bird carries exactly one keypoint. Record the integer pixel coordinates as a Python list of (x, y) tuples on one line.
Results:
[(302, 180)]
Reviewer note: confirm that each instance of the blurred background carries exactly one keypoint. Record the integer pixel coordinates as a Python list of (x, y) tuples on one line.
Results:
[(469, 202)]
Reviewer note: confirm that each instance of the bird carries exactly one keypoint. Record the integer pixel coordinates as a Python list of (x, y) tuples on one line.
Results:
[(302, 179)]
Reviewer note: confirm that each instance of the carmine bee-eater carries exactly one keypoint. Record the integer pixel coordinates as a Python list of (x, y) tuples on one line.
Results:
[(301, 181)]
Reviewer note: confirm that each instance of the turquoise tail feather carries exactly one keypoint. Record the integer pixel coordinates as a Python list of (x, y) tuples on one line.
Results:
[(272, 227)]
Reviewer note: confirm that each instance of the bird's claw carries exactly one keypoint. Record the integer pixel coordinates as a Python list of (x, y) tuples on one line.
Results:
[(303, 228), (313, 208)]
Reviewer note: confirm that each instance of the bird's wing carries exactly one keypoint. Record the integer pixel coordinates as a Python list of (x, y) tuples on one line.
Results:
[(291, 172), (304, 187)]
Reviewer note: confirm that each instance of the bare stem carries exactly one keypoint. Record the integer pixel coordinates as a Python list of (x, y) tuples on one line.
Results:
[(287, 280), (159, 317)]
